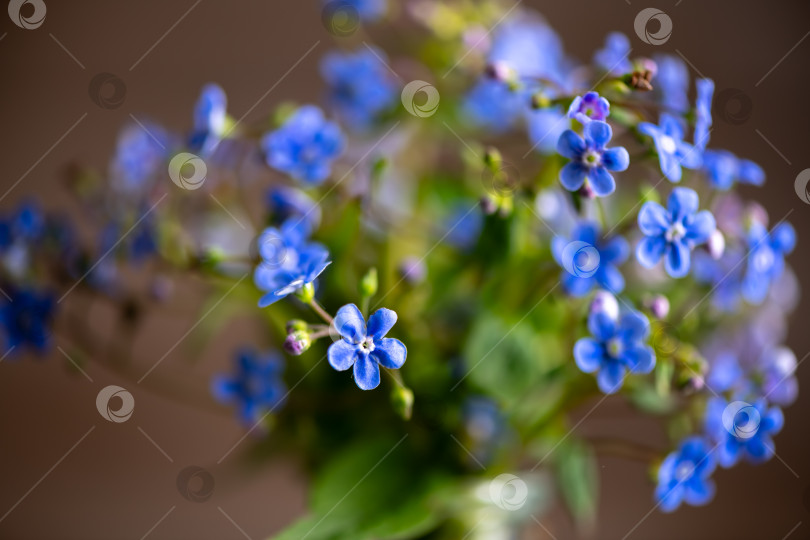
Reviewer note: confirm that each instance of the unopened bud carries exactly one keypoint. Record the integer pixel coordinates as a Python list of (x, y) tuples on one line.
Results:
[(368, 284), (297, 342), (658, 305), (604, 302), (402, 401)]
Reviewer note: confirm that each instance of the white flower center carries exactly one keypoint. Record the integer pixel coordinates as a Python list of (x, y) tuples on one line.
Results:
[(367, 345), (684, 471), (615, 347), (676, 232), (592, 158), (668, 144)]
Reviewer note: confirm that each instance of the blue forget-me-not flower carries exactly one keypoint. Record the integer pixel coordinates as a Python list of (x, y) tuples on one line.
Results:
[(255, 387), (685, 475), (590, 260), (673, 152), (590, 159)]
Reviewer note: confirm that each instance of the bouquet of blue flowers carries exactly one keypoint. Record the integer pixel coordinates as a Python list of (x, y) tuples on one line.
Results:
[(471, 236)]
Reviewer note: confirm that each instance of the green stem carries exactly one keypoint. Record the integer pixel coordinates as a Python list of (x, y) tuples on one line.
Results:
[(316, 307)]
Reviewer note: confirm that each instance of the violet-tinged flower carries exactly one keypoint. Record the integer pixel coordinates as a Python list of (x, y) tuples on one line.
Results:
[(590, 106), (311, 261), (590, 159), (766, 258), (589, 260), (360, 86), (614, 57), (617, 345), (25, 318), (724, 168), (210, 113), (674, 232), (685, 475), (413, 270), (255, 387), (673, 152), (703, 112), (743, 430), (305, 146), (366, 347)]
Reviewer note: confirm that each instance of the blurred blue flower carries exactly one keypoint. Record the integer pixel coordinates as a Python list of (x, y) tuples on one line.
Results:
[(766, 258), (305, 146), (367, 10), (28, 222), (723, 275), (366, 348), (139, 154), (673, 232), (724, 168), (25, 318), (255, 387), (742, 430), (528, 45), (590, 159), (590, 261), (617, 345), (493, 105), (672, 83), (360, 87), (673, 152), (614, 57), (685, 475), (463, 226), (590, 106), (210, 113), (484, 426), (546, 126), (703, 112)]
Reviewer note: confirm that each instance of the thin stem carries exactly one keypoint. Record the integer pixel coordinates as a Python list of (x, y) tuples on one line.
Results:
[(319, 334), (320, 311), (396, 377), (600, 210)]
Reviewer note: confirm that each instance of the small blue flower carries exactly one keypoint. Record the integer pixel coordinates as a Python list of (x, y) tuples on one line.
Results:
[(26, 317), (140, 153), (366, 348), (685, 475), (256, 386), (766, 258), (613, 58), (589, 260), (703, 112), (28, 222), (210, 113), (545, 127), (305, 146), (360, 87), (673, 232), (367, 10), (590, 106), (672, 83), (724, 168), (493, 105), (743, 430), (590, 159), (617, 345), (723, 275), (673, 152)]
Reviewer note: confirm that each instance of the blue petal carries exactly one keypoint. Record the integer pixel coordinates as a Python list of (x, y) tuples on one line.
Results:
[(639, 359), (588, 354), (572, 176), (610, 377), (670, 165), (759, 449), (602, 181), (682, 202), (570, 145), (350, 324), (223, 389), (700, 227), (698, 493), (577, 286), (772, 421), (366, 373), (669, 496), (649, 129), (671, 126), (650, 250), (615, 250), (677, 260), (390, 353), (610, 278), (616, 159), (270, 299), (751, 173), (653, 219), (342, 355), (598, 133), (381, 322), (689, 156), (633, 326), (601, 326), (784, 237)]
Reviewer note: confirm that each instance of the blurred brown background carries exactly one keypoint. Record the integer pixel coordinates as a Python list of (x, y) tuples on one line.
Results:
[(120, 480)]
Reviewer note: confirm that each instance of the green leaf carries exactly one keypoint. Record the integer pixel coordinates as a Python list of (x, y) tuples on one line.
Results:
[(579, 480)]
